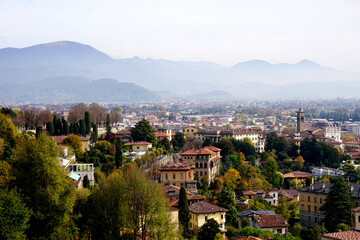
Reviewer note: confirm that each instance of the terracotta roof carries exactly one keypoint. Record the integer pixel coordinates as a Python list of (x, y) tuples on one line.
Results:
[(161, 134), (177, 167), (212, 148), (205, 207), (346, 235), (248, 238), (298, 174), (139, 143), (189, 153), (270, 221)]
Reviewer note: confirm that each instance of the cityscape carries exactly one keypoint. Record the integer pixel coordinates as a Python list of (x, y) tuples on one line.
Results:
[(197, 120)]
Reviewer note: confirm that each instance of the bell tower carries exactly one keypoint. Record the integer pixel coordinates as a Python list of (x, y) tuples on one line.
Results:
[(300, 120)]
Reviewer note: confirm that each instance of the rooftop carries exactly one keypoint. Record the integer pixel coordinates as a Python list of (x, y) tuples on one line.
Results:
[(346, 235), (205, 207)]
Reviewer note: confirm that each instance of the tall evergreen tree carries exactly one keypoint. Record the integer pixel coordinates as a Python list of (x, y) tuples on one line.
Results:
[(184, 213), (209, 230), (75, 128), (65, 127), (337, 205), (178, 141), (54, 124), (143, 132), (58, 127), (226, 200), (94, 134), (82, 130), (39, 130), (108, 124), (87, 123), (166, 144), (50, 128), (119, 153)]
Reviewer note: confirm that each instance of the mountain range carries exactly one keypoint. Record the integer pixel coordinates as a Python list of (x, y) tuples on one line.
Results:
[(69, 71)]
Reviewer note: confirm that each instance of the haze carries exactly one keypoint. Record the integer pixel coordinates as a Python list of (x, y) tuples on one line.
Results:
[(225, 32)]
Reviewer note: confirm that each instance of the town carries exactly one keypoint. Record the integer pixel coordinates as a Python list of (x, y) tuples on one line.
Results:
[(281, 169)]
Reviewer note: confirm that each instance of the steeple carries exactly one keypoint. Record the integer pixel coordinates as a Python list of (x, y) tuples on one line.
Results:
[(300, 115)]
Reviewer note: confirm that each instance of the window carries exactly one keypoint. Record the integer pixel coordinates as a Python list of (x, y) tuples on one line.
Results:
[(308, 199), (197, 165), (205, 218), (137, 147), (222, 216), (358, 218), (308, 208), (192, 130), (321, 200), (200, 173), (315, 209), (174, 176), (201, 165), (315, 219), (187, 130), (166, 176), (189, 175), (205, 173), (220, 225), (205, 165), (315, 200), (279, 231), (181, 176)]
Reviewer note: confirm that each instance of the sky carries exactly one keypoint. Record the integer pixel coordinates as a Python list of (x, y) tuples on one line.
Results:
[(224, 32)]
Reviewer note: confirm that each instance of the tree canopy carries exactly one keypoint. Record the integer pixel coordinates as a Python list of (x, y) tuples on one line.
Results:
[(142, 131)]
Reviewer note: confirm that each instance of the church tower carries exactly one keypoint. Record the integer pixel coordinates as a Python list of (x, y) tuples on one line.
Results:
[(300, 120)]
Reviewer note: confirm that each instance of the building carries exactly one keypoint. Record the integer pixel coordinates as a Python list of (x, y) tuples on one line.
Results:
[(206, 161), (190, 132), (274, 223), (84, 169), (248, 213), (272, 198), (179, 174), (300, 116), (313, 197), (302, 176), (355, 218), (140, 146), (346, 235), (202, 211), (318, 172)]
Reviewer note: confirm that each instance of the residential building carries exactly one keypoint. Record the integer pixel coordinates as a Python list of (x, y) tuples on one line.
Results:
[(313, 197), (202, 211), (318, 172), (179, 174), (345, 235), (140, 146), (84, 169), (355, 218), (302, 176), (190, 132), (275, 223), (206, 161), (248, 213)]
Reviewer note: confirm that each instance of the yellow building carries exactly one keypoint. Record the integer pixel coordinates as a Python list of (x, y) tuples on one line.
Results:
[(179, 174), (190, 132), (202, 211), (314, 196), (85, 144), (140, 146)]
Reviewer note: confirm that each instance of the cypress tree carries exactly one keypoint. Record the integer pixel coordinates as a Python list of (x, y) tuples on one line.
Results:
[(39, 130), (50, 128), (58, 127), (86, 182), (54, 124), (184, 213), (75, 128), (94, 134), (87, 122), (82, 130), (65, 127), (119, 153), (108, 126)]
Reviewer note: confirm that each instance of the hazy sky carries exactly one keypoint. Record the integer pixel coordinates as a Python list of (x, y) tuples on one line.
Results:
[(221, 31)]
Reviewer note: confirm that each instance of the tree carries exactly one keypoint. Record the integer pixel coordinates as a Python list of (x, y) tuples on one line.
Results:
[(97, 113), (271, 174), (77, 112), (337, 205), (208, 142), (50, 128), (184, 213), (39, 130), (143, 132), (116, 114), (178, 141), (226, 146), (166, 144), (310, 233), (73, 141), (245, 146), (82, 128), (226, 199), (108, 124), (231, 178), (87, 122), (119, 157), (209, 230), (86, 182), (44, 187), (285, 207), (65, 127), (94, 134), (44, 117), (14, 215), (8, 135)]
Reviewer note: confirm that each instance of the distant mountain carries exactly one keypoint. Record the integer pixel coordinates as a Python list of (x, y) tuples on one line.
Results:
[(65, 58), (216, 95), (75, 89)]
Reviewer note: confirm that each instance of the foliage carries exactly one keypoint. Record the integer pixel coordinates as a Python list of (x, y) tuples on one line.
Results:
[(245, 146), (310, 233), (8, 133), (226, 199), (258, 205), (208, 142), (44, 186), (251, 231), (103, 146), (178, 141), (87, 122), (184, 213), (271, 174), (14, 216), (343, 227), (286, 207), (219, 236), (86, 182), (209, 230), (94, 134), (108, 124), (166, 144), (119, 157), (226, 146), (50, 128), (5, 174), (143, 132), (231, 178), (296, 229), (73, 141), (274, 142), (337, 205)]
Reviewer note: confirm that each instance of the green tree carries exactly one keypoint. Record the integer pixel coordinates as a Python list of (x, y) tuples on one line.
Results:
[(271, 174), (39, 130), (86, 182), (108, 124), (226, 199), (94, 134), (285, 207), (208, 142), (50, 128), (73, 141), (209, 230), (184, 213), (14, 215), (65, 127), (87, 123), (82, 128), (226, 146), (166, 144), (310, 233), (178, 141), (44, 186), (143, 132), (8, 134), (119, 157), (337, 205)]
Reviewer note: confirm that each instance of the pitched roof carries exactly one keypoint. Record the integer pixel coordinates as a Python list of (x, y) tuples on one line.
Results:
[(346, 235), (183, 166), (161, 134), (212, 148), (139, 143), (297, 174), (189, 153), (248, 212), (248, 238), (270, 221), (205, 207)]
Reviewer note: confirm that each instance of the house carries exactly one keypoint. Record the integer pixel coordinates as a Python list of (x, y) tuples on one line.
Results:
[(291, 194), (314, 196), (345, 235), (179, 174), (298, 175), (355, 218), (161, 136), (275, 223), (84, 169), (202, 211), (85, 144), (206, 161), (248, 213), (190, 132), (140, 146), (318, 172), (272, 198), (248, 238)]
